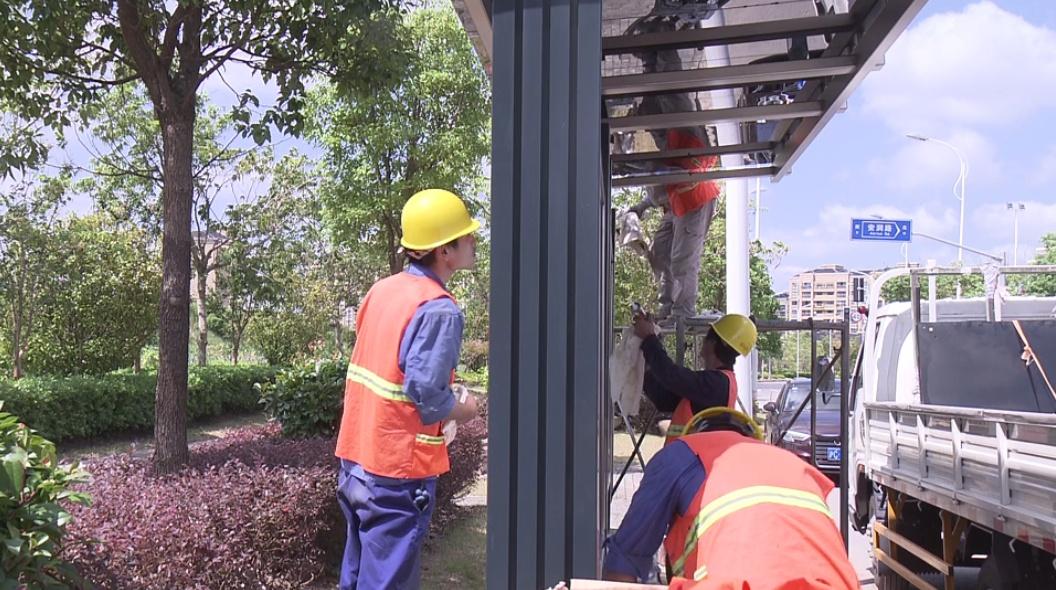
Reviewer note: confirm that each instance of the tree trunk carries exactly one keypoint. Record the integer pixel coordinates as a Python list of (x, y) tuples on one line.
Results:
[(170, 420), (203, 325), (235, 342), (137, 362)]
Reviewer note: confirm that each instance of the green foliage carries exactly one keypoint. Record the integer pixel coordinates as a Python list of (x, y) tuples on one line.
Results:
[(284, 336), (1041, 285), (33, 489), (86, 407), (28, 253), (634, 281), (945, 287), (60, 59), (306, 401), (429, 130), (100, 308)]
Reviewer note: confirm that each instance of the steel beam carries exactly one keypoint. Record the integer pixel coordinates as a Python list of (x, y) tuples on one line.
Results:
[(681, 178), (730, 34), (712, 116), (727, 76), (884, 24), (719, 150), (838, 46)]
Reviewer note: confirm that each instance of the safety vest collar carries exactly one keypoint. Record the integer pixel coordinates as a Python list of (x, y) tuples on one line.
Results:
[(738, 500)]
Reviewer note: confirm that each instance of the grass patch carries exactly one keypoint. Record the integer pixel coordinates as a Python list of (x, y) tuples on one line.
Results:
[(457, 560)]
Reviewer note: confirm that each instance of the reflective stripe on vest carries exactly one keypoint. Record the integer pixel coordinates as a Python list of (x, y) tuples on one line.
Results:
[(742, 499), (375, 384)]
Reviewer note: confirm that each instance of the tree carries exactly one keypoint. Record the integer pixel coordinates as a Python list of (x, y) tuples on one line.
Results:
[(126, 181), (1043, 285), (27, 225), (79, 51), (898, 289), (634, 281), (101, 307), (430, 130)]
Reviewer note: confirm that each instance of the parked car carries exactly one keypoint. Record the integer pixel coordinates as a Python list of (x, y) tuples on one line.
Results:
[(796, 437)]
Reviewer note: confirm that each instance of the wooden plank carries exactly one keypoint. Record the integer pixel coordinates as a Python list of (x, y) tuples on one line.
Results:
[(580, 584), (918, 551), (903, 571)]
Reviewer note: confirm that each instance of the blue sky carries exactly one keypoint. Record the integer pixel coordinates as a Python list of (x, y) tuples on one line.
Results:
[(980, 75)]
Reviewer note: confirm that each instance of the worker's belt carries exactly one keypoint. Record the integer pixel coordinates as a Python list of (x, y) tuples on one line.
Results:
[(742, 499), (376, 384)]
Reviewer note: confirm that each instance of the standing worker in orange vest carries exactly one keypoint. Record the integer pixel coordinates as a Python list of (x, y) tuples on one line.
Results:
[(397, 395), (738, 514), (688, 206), (683, 391)]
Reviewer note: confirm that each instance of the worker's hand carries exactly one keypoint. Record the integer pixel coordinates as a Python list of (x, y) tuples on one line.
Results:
[(644, 327), (465, 408)]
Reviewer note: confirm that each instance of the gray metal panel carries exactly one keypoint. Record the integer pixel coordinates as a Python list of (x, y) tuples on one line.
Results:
[(713, 116), (743, 33), (882, 27), (714, 78), (679, 178), (547, 267), (719, 150), (504, 301), (588, 490)]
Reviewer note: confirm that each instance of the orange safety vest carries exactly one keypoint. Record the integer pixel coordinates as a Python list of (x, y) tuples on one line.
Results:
[(759, 522), (380, 426), (690, 196), (684, 411)]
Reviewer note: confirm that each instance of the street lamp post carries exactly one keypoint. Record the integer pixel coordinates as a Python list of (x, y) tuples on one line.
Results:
[(961, 179), (758, 208), (1015, 208)]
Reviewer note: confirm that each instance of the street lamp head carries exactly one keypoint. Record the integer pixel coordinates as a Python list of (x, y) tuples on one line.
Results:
[(917, 136)]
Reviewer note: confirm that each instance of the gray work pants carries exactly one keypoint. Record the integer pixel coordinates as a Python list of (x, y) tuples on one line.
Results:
[(675, 259)]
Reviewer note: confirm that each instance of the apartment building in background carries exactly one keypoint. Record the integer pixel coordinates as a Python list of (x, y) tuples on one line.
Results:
[(825, 292)]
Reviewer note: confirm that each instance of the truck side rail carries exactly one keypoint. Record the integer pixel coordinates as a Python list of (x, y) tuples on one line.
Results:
[(994, 468)]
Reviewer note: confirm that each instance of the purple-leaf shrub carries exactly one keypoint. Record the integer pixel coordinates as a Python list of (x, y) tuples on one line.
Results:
[(252, 510)]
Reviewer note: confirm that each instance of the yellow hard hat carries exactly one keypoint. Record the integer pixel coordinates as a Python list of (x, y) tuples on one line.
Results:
[(737, 331), (434, 217)]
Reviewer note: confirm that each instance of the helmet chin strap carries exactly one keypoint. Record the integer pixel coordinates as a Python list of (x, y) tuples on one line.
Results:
[(415, 254)]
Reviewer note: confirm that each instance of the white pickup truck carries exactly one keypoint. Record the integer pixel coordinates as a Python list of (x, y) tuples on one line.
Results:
[(952, 437)]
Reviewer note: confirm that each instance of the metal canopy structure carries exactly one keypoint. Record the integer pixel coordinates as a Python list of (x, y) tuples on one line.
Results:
[(797, 73), (569, 82)]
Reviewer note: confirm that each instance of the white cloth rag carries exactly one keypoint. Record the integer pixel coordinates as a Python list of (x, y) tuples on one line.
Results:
[(627, 372), (629, 232)]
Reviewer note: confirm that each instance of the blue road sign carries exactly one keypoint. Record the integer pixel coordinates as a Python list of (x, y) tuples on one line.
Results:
[(882, 230)]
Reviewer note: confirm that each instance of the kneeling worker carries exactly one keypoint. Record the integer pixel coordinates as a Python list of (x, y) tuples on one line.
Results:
[(738, 514), (673, 388)]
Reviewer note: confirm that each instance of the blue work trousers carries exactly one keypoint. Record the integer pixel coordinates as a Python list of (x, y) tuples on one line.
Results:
[(387, 524)]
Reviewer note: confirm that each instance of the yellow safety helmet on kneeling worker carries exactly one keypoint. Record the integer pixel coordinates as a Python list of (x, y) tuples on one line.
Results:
[(738, 331), (434, 217)]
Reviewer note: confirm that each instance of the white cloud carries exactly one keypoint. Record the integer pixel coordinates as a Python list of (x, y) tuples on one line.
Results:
[(1045, 172), (995, 221), (917, 164), (982, 66)]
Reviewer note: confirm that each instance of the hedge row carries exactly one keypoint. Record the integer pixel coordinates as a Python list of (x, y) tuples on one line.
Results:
[(62, 408)]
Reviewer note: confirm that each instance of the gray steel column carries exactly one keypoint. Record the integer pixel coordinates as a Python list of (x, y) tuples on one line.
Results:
[(548, 320)]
